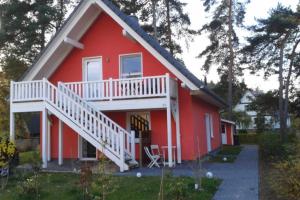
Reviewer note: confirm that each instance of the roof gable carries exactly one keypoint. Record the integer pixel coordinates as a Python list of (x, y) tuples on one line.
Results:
[(78, 23)]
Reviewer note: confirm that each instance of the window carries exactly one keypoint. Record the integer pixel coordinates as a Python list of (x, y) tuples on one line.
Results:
[(131, 66), (223, 128)]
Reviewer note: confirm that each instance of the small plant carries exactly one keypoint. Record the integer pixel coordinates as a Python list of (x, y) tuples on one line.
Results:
[(177, 190), (105, 183), (31, 186), (7, 153), (85, 181)]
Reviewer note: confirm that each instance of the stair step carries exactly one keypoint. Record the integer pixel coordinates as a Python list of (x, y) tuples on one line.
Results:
[(132, 164)]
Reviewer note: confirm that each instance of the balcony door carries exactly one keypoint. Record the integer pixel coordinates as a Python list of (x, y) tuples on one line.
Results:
[(92, 72)]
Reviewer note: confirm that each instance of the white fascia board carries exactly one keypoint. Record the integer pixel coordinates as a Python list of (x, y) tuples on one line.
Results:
[(57, 41), (156, 54)]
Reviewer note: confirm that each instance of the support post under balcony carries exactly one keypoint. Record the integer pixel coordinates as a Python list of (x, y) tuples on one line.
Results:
[(169, 122), (44, 137), (60, 142), (12, 127), (11, 116)]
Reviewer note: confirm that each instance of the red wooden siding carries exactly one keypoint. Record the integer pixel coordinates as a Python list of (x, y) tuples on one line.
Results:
[(105, 39)]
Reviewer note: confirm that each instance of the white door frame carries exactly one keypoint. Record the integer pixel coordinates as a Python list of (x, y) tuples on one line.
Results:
[(84, 62), (208, 133), (80, 156), (137, 112), (224, 140)]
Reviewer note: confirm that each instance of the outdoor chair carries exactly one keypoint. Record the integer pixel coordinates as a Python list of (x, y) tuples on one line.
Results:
[(155, 151), (153, 158)]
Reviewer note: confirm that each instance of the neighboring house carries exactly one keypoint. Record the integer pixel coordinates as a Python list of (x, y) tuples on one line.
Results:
[(102, 80), (227, 131), (247, 98)]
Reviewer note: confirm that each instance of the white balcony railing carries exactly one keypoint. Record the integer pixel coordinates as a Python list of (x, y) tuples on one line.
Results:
[(111, 89), (129, 88)]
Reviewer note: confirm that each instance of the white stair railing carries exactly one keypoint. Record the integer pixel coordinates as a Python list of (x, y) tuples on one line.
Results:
[(103, 130), (129, 138)]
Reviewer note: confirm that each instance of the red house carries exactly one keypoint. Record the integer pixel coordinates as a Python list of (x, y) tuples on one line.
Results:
[(99, 77)]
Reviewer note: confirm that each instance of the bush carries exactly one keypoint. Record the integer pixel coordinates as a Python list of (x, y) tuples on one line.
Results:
[(270, 146), (7, 152), (286, 181), (242, 131), (248, 138)]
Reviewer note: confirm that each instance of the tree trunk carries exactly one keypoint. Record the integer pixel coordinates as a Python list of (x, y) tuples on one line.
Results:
[(231, 61), (287, 83), (154, 18), (280, 71), (169, 32)]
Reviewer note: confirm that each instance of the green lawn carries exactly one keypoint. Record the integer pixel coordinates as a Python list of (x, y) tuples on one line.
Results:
[(28, 156), (228, 152), (66, 186)]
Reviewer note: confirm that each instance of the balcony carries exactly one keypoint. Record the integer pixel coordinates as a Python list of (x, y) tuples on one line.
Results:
[(112, 94)]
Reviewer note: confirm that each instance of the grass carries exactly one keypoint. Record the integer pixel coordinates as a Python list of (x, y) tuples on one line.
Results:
[(230, 150), (66, 186), (27, 157), (227, 154)]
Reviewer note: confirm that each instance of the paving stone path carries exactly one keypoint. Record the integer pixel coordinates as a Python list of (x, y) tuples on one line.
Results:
[(240, 179)]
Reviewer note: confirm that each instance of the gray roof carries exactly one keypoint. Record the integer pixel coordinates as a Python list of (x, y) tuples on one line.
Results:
[(152, 42)]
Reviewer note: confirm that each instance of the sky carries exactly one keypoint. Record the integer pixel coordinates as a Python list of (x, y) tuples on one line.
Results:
[(256, 9)]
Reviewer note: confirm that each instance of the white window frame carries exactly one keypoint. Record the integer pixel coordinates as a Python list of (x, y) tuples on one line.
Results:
[(128, 55), (211, 125), (85, 60)]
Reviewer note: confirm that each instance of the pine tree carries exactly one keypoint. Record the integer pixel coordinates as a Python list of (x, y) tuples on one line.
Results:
[(227, 16), (168, 22), (273, 49)]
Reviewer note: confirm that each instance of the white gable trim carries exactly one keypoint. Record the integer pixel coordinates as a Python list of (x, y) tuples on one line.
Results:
[(156, 54), (42, 61), (59, 39)]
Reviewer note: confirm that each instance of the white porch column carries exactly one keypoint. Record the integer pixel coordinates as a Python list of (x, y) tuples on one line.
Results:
[(11, 116), (44, 137), (12, 126), (169, 122), (60, 142), (49, 140), (178, 137)]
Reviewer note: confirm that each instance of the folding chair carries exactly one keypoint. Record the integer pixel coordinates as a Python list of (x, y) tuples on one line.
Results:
[(155, 151), (153, 158)]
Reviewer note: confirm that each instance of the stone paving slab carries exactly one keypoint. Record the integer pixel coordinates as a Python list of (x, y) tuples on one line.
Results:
[(240, 179)]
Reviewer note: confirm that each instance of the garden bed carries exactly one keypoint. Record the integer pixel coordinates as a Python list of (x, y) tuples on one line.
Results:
[(66, 186)]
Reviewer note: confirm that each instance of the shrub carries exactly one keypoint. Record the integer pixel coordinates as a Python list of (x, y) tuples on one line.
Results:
[(177, 190), (7, 152), (286, 183), (105, 182), (85, 181), (242, 131), (248, 138)]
